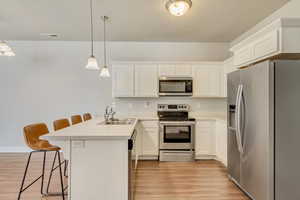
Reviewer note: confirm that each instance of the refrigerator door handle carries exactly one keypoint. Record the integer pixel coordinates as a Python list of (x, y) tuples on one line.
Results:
[(237, 119), (238, 125)]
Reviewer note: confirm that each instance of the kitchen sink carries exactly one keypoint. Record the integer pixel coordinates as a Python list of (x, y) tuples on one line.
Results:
[(128, 121)]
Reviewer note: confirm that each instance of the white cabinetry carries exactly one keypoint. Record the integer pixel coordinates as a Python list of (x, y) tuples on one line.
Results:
[(135, 80), (175, 70), (228, 67), (280, 39), (146, 81), (205, 139), (123, 80), (149, 139), (221, 141), (207, 81)]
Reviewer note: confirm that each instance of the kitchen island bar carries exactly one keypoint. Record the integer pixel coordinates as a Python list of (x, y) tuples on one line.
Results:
[(98, 156)]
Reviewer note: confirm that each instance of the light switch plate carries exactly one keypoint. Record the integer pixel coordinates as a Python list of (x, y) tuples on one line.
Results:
[(78, 144)]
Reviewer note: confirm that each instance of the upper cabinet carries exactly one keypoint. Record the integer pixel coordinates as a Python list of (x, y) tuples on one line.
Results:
[(280, 39), (175, 70), (123, 80), (146, 80), (207, 81), (141, 79), (135, 80)]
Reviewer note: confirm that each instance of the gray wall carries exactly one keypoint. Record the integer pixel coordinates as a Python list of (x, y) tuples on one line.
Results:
[(47, 80), (291, 9)]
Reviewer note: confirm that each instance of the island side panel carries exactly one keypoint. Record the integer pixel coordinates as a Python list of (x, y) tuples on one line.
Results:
[(99, 170)]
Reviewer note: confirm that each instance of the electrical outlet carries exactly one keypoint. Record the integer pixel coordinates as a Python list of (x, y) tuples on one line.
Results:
[(147, 104), (78, 144), (130, 105)]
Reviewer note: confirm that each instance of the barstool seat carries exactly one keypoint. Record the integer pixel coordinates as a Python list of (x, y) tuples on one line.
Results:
[(76, 119), (87, 116)]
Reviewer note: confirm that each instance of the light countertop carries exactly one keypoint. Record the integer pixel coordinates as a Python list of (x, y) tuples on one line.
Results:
[(93, 130)]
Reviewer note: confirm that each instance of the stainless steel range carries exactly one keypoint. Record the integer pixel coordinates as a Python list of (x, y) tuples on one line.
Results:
[(177, 133)]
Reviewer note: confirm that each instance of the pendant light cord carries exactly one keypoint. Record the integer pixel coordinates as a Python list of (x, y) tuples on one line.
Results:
[(92, 28), (104, 40)]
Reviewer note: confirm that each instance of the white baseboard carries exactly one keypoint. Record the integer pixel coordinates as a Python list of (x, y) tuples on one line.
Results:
[(14, 149)]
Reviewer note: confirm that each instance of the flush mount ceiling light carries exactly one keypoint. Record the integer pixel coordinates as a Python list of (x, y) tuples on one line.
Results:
[(92, 61), (178, 7), (104, 71), (5, 50)]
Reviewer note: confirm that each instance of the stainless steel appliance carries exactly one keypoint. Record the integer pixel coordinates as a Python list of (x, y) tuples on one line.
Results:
[(264, 130), (132, 165), (175, 86), (176, 141)]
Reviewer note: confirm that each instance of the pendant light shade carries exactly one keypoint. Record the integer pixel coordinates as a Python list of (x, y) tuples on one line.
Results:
[(5, 50), (92, 61), (104, 71)]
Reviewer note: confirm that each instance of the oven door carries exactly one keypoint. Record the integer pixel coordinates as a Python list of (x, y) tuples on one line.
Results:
[(175, 87), (177, 135)]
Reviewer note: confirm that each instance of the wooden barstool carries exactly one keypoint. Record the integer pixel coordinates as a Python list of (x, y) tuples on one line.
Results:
[(87, 116), (58, 125), (76, 119), (32, 135)]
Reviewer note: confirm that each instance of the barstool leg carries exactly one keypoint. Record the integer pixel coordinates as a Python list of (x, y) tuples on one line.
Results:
[(66, 167), (51, 172), (61, 177), (43, 173), (24, 176)]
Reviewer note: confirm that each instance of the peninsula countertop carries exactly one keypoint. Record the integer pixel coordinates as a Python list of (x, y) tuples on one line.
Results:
[(94, 129)]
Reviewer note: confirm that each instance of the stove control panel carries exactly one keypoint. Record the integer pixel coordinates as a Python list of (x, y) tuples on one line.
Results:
[(173, 107)]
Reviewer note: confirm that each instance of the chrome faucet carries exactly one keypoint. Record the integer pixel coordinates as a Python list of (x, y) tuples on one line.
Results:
[(109, 114)]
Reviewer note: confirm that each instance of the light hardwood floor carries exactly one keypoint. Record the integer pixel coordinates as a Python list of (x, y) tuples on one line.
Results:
[(201, 180)]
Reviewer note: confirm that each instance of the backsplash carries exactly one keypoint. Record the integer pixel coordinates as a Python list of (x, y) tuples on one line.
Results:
[(145, 106)]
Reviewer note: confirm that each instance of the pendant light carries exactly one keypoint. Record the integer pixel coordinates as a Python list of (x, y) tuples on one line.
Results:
[(92, 61), (5, 50), (178, 7), (104, 71)]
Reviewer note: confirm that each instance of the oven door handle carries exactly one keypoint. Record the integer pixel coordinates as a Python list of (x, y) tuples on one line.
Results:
[(177, 122)]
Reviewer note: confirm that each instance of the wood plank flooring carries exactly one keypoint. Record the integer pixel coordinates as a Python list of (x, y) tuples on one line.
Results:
[(202, 180)]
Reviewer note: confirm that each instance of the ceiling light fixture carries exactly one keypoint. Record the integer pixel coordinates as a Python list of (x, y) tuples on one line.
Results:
[(5, 50), (178, 7), (104, 71), (92, 61)]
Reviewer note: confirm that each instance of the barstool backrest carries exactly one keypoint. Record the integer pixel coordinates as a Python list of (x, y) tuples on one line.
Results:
[(60, 124), (33, 132), (76, 119), (87, 116)]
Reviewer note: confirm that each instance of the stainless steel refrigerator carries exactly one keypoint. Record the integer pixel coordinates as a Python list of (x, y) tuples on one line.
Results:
[(264, 130)]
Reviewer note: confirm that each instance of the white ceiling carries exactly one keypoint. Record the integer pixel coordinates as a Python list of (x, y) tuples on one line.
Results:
[(132, 20)]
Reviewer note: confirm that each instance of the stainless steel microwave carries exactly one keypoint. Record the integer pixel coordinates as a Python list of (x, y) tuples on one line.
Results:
[(175, 86)]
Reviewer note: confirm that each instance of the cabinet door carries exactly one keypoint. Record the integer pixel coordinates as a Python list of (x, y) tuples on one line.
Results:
[(221, 141), (146, 81), (150, 145), (183, 70), (167, 70), (205, 144), (207, 81), (123, 80)]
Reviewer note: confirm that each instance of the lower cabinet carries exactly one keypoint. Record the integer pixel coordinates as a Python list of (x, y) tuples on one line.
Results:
[(148, 140), (211, 140), (221, 141), (205, 140)]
